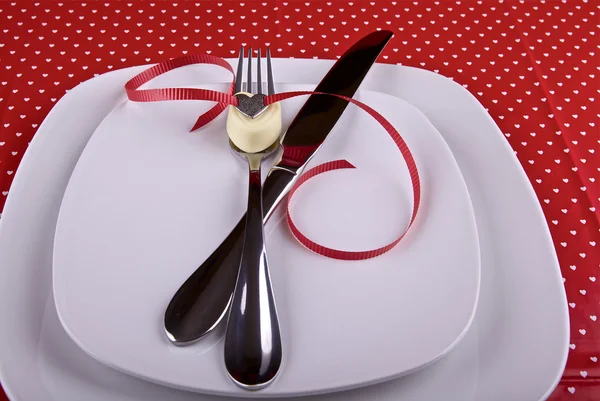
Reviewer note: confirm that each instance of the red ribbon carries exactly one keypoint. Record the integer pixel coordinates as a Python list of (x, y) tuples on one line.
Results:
[(225, 99)]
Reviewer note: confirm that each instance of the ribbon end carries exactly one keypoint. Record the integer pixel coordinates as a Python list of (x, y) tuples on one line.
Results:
[(199, 124)]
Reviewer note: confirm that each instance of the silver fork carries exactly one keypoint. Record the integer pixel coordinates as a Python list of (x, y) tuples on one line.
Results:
[(253, 349)]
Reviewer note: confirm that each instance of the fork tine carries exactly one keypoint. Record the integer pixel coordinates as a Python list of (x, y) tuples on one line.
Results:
[(240, 71), (270, 84), (249, 84), (259, 82)]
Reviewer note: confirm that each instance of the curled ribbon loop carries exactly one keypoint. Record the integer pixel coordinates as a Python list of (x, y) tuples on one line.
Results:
[(225, 99), (155, 95)]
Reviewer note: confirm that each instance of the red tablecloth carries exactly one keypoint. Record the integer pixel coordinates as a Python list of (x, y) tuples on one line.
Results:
[(534, 64)]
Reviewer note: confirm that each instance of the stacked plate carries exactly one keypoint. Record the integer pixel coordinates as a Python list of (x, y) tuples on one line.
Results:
[(116, 203)]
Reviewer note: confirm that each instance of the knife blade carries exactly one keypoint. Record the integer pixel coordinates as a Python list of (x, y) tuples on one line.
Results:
[(203, 299)]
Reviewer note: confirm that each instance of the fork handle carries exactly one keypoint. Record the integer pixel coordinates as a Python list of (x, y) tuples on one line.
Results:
[(252, 340), (203, 299)]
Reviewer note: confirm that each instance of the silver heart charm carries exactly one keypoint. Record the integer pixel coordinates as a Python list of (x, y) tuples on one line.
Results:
[(251, 106)]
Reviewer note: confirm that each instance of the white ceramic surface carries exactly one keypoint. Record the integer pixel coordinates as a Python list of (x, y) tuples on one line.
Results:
[(168, 197), (515, 350)]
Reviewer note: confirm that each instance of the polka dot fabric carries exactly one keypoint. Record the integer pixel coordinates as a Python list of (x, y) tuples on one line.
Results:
[(534, 64)]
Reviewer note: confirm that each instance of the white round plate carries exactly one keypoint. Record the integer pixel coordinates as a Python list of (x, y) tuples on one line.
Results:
[(149, 201)]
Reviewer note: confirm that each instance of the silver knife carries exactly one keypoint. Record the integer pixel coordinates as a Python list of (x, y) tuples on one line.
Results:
[(203, 299)]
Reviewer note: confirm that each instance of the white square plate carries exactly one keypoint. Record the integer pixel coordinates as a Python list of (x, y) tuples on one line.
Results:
[(148, 201), (516, 348)]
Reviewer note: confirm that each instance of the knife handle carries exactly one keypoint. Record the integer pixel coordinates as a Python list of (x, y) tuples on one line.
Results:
[(203, 299)]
